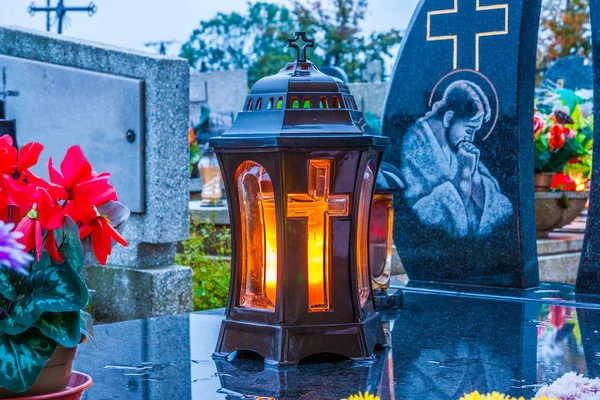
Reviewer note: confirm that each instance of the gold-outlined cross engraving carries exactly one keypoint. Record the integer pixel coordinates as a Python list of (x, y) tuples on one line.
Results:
[(454, 38)]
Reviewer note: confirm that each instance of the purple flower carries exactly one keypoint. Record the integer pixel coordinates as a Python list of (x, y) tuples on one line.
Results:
[(12, 255)]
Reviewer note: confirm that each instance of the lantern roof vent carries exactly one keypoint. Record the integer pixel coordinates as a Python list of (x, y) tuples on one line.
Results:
[(297, 103)]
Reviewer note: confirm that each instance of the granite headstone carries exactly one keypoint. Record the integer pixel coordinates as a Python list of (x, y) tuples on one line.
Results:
[(129, 113), (588, 276), (572, 72), (459, 114)]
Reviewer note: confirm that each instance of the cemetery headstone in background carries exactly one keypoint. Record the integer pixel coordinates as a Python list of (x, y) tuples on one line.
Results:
[(129, 113), (573, 72), (588, 276), (459, 114), (221, 93)]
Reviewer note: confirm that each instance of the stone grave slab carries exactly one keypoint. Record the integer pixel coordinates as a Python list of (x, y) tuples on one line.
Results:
[(442, 347), (106, 91), (588, 278), (459, 111)]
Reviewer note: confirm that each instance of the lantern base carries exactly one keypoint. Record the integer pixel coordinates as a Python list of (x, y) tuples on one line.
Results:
[(288, 345)]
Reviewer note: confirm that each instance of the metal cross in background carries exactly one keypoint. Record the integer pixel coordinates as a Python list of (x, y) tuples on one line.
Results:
[(161, 46), (61, 12)]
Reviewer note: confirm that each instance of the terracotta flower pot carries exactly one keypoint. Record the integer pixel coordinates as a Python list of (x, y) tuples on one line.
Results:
[(54, 377), (554, 210), (543, 181)]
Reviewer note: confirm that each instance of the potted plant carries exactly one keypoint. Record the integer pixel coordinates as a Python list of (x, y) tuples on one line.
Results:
[(563, 136), (48, 231), (563, 132)]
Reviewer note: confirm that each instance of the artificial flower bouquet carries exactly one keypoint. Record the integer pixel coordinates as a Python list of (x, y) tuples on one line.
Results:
[(48, 231), (563, 130)]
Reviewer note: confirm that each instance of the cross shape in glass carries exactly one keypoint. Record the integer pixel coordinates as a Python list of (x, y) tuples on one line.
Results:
[(318, 206)]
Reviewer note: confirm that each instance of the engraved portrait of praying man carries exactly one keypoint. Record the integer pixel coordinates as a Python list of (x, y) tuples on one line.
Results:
[(447, 186)]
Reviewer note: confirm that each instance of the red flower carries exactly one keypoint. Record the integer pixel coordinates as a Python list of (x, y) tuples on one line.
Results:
[(563, 182), (557, 316), (47, 214), (14, 191), (557, 137), (538, 124), (574, 160), (82, 187), (101, 233)]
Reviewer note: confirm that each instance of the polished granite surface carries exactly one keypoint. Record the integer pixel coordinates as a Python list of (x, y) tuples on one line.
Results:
[(443, 345)]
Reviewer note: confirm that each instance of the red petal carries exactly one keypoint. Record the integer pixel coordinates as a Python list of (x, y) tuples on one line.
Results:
[(38, 239), (8, 155), (98, 243), (115, 235), (29, 155), (27, 228), (17, 193), (97, 191), (50, 213), (55, 176), (84, 231), (75, 167), (50, 246), (81, 211)]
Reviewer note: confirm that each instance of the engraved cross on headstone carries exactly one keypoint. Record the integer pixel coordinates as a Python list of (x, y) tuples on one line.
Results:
[(306, 43), (468, 21), (61, 12), (4, 93)]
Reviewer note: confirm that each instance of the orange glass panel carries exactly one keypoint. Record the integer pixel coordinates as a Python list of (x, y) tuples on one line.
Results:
[(362, 237), (380, 239), (258, 247), (318, 206)]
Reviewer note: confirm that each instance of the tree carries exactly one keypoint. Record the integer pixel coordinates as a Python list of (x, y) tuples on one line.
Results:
[(565, 29), (255, 40)]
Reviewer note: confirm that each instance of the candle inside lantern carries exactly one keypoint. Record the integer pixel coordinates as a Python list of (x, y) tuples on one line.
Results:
[(317, 206), (259, 237)]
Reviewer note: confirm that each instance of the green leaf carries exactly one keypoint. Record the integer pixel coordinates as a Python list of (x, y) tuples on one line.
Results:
[(62, 327), (22, 358), (69, 244), (43, 262), (86, 325), (57, 288), (9, 326), (6, 287)]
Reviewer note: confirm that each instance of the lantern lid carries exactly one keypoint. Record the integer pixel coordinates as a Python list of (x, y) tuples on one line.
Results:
[(299, 106)]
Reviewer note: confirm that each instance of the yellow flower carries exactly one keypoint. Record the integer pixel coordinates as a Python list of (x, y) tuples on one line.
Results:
[(490, 396), (360, 396)]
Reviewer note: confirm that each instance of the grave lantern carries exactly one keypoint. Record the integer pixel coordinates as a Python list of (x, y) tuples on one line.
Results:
[(299, 167)]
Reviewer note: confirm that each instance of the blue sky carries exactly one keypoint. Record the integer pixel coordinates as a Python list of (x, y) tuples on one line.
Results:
[(131, 23)]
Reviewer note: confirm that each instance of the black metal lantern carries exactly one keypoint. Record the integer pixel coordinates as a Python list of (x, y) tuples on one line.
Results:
[(299, 166)]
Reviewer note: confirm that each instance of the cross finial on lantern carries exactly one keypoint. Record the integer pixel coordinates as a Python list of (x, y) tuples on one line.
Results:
[(307, 43)]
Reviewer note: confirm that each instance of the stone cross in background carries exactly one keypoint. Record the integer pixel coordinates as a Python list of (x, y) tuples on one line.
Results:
[(129, 113), (459, 115), (588, 277)]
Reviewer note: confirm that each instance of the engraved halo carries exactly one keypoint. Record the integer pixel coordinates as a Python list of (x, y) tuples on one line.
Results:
[(481, 80)]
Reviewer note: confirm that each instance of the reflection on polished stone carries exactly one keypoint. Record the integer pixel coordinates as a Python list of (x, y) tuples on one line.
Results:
[(442, 347)]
